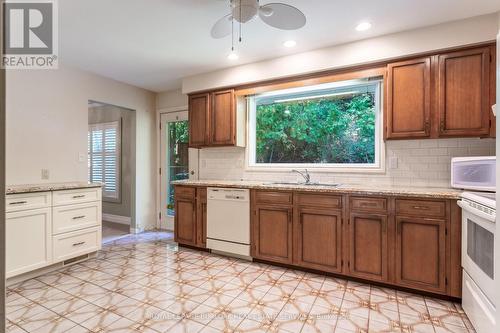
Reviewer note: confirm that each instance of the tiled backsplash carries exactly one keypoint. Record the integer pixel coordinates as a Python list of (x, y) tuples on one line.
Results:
[(420, 163)]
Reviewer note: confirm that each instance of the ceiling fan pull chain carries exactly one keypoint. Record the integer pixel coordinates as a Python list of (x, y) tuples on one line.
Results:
[(240, 21)]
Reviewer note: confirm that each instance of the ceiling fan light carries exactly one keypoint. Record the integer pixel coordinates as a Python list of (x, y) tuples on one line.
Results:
[(363, 26), (289, 43), (233, 56)]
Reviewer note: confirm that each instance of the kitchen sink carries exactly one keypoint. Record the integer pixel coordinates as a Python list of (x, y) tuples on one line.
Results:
[(305, 184)]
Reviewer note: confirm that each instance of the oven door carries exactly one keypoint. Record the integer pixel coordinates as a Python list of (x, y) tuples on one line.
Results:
[(478, 234)]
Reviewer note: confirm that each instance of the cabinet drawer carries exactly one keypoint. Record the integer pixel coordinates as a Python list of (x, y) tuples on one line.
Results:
[(24, 201), (272, 197), (69, 197), (74, 244), (369, 204), (75, 217), (322, 200), (421, 208), (185, 191)]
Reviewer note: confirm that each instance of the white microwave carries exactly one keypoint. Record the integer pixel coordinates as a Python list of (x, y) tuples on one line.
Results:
[(474, 173)]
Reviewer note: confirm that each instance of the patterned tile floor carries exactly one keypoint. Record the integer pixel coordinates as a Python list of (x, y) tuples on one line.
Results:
[(145, 283)]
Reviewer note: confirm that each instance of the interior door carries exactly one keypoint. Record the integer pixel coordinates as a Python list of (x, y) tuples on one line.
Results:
[(177, 161)]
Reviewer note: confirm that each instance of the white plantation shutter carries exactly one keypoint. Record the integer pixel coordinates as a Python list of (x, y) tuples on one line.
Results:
[(104, 157)]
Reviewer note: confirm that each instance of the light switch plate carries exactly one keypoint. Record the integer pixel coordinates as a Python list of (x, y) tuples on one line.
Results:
[(82, 157), (45, 174)]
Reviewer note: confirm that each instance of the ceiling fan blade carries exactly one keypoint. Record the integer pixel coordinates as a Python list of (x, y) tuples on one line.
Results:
[(282, 16), (222, 27)]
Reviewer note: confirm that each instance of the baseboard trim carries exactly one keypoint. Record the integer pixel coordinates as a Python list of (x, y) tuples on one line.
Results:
[(117, 219)]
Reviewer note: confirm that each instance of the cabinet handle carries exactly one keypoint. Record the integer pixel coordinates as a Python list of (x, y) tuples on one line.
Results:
[(427, 127), (18, 203), (78, 244), (78, 217), (78, 196), (421, 207), (442, 126), (368, 204)]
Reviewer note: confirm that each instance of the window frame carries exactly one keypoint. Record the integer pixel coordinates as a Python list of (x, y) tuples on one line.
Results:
[(377, 167), (107, 196)]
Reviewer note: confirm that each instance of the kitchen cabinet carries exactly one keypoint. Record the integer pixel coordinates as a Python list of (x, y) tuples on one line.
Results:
[(28, 235), (421, 253), (273, 233), (408, 242), (441, 95), (464, 92), (46, 228), (199, 115), (409, 99), (319, 238), (190, 221), (216, 119), (368, 246)]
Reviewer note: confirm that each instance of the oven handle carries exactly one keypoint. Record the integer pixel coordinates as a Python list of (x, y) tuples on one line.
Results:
[(477, 212)]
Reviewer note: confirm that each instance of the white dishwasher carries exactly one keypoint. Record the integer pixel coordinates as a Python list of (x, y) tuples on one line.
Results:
[(228, 221)]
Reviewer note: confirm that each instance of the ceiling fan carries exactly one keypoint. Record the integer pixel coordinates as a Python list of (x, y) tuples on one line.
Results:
[(277, 15)]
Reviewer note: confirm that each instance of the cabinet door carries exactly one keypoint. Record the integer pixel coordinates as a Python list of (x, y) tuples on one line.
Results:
[(409, 99), (273, 233), (464, 93), (420, 254), (185, 221), (319, 239), (28, 240), (201, 228), (368, 257), (222, 116), (199, 107)]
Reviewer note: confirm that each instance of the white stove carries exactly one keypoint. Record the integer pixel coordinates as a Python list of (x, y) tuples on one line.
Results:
[(478, 237)]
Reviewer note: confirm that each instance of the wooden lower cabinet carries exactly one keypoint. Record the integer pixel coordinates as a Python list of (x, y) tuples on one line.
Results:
[(319, 239), (368, 246), (191, 217), (272, 228), (421, 253)]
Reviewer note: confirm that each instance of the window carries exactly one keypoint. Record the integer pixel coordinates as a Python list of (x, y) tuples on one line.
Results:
[(332, 125), (104, 157)]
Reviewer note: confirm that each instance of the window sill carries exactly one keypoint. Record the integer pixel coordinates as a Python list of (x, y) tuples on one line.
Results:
[(317, 169)]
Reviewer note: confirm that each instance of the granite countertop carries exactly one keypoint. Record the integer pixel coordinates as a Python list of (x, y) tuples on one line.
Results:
[(400, 191), (30, 188)]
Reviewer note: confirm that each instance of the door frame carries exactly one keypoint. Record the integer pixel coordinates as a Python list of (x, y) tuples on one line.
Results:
[(164, 116)]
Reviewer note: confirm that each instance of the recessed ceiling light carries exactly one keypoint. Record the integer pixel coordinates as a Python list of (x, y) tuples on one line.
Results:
[(289, 43), (233, 56), (363, 26)]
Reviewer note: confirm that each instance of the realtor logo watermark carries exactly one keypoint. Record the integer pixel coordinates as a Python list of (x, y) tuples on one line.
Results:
[(30, 34)]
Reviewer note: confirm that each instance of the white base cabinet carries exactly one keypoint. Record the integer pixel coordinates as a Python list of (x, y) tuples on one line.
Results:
[(28, 240), (47, 228)]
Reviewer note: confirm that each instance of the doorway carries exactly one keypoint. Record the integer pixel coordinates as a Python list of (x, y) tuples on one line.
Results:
[(178, 161), (111, 160)]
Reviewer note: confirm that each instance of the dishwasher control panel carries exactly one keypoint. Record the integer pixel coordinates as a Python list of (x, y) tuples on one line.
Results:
[(228, 194)]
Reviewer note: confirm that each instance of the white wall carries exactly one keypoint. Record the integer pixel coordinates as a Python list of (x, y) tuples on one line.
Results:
[(497, 234), (469, 31), (171, 99), (47, 123)]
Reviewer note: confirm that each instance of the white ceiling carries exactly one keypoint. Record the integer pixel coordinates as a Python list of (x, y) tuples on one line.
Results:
[(155, 43)]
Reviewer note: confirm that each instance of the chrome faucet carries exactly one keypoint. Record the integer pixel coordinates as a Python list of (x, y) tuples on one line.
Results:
[(304, 174)]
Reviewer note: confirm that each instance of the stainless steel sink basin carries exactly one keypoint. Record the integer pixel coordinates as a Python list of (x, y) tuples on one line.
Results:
[(305, 184)]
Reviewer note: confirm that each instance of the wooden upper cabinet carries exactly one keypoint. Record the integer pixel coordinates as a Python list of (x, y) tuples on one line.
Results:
[(222, 116), (216, 119), (272, 227), (199, 108), (464, 93), (421, 254), (368, 253), (409, 99), (319, 239)]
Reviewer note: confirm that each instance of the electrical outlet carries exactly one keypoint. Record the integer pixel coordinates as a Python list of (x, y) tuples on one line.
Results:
[(45, 173), (82, 157)]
